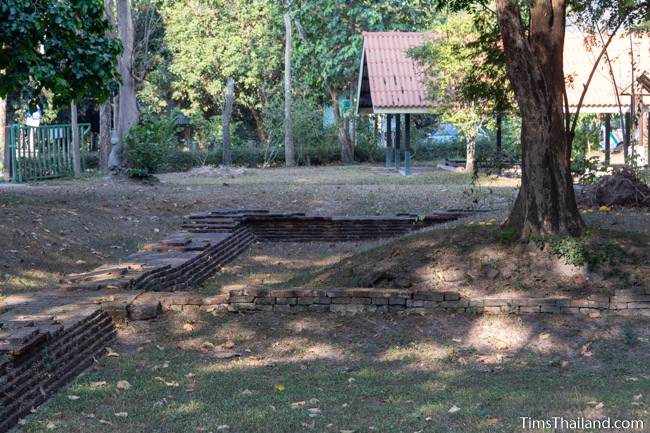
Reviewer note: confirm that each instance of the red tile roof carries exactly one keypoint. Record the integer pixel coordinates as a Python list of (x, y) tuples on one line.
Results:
[(395, 78), (579, 59)]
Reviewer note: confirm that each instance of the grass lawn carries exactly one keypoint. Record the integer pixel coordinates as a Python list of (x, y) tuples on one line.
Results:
[(63, 226), (302, 373)]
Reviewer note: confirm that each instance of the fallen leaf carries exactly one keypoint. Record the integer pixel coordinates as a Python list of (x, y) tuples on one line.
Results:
[(122, 414), (123, 384), (228, 344), (50, 425), (314, 411), (98, 384), (111, 352), (297, 404), (247, 392), (188, 327), (454, 409), (73, 397), (279, 387)]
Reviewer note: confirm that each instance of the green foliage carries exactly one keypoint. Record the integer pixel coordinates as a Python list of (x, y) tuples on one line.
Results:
[(56, 45), (508, 234), (572, 250), (587, 250), (149, 143), (208, 133), (313, 143), (211, 40)]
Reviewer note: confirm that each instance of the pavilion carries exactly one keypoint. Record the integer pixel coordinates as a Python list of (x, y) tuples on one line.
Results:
[(391, 84)]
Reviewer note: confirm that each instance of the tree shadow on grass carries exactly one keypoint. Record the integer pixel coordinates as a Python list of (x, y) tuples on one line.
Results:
[(364, 373)]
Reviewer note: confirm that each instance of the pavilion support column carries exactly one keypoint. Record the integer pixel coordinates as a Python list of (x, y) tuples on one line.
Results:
[(628, 136), (647, 149), (407, 144), (389, 140), (608, 132), (398, 140)]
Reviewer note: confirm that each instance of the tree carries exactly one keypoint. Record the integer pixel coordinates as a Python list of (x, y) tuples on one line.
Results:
[(465, 75), (210, 40), (60, 46), (329, 61), (76, 146), (128, 107), (532, 35), (3, 143), (228, 100), (288, 125)]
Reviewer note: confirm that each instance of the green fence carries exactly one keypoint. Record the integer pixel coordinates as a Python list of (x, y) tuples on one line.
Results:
[(43, 152)]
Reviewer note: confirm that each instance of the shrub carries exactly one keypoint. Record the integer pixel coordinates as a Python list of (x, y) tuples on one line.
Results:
[(149, 143)]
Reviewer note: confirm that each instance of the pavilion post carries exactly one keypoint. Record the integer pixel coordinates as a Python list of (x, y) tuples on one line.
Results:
[(389, 140), (608, 132), (647, 158), (398, 140), (407, 144), (628, 136)]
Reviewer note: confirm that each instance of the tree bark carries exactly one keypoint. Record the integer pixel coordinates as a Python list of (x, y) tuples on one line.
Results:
[(259, 126), (546, 202), (289, 154), (343, 125), (228, 100), (105, 107), (470, 154), (128, 107), (76, 145), (4, 146), (104, 134)]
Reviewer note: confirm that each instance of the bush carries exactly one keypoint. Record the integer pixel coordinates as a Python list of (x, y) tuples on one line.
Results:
[(149, 144)]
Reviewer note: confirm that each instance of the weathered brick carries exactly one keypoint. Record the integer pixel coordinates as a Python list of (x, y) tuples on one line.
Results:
[(320, 308), (353, 308), (379, 301), (286, 301), (323, 300), (306, 300), (395, 300), (638, 305), (265, 301), (411, 303), (428, 296), (241, 299), (351, 301), (282, 308), (215, 300), (264, 307), (242, 306), (451, 296)]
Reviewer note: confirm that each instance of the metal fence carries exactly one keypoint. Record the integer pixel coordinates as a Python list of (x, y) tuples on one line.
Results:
[(43, 152)]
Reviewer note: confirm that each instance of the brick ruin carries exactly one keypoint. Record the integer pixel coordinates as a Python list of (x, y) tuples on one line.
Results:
[(49, 337)]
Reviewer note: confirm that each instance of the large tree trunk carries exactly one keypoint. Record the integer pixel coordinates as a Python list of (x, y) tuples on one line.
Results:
[(470, 154), (289, 156), (105, 107), (228, 100), (76, 145), (546, 202), (343, 124), (4, 146), (128, 107)]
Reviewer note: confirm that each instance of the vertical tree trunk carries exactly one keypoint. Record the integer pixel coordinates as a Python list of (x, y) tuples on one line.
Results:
[(470, 154), (4, 146), (343, 125), (546, 202), (259, 126), (289, 156), (228, 100), (128, 107), (105, 107), (76, 146), (104, 134), (499, 145)]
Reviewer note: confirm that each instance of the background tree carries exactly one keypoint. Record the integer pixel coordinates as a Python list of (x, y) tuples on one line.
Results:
[(329, 62), (465, 73), (288, 124), (211, 40), (228, 100), (128, 107)]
